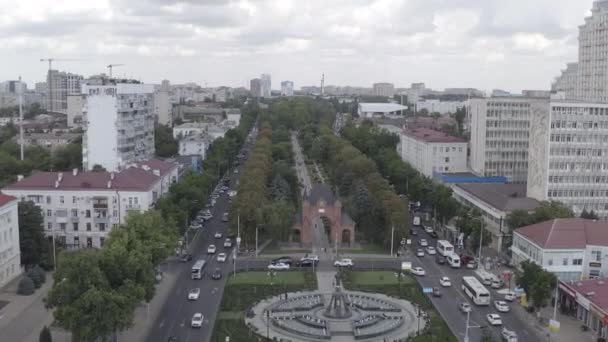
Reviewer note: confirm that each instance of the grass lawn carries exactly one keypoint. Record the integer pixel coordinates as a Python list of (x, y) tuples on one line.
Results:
[(262, 278), (379, 278), (368, 249)]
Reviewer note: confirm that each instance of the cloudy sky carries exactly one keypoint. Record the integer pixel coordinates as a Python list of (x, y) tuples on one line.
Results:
[(507, 44)]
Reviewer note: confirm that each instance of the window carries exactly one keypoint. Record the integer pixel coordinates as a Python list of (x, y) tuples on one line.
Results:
[(565, 262), (550, 262), (49, 212), (447, 159), (577, 262), (75, 226), (73, 199), (88, 226), (115, 213), (594, 273), (74, 212), (76, 241), (102, 227), (48, 199), (87, 213), (49, 226), (61, 199), (62, 226), (596, 255), (89, 242), (101, 241)]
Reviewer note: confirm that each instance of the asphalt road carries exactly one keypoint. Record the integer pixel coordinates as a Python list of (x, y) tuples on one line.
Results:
[(176, 314)]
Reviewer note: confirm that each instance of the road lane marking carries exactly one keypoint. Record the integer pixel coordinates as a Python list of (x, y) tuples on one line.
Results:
[(162, 323)]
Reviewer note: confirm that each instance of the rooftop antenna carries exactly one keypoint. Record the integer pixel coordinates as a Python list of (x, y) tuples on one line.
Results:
[(110, 66)]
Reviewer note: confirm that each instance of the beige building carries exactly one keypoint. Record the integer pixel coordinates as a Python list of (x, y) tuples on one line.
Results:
[(10, 252)]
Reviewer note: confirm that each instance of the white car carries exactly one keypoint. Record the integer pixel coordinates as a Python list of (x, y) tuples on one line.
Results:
[(221, 257), (420, 252), (510, 296), (445, 282), (278, 266), (194, 293), (217, 235), (465, 307), (228, 243), (344, 263), (423, 242), (428, 229), (419, 271), (501, 306), (430, 250), (494, 319), (508, 335), (211, 249), (197, 320)]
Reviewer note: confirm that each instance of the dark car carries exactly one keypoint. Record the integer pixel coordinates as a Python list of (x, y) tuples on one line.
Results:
[(172, 339), (283, 260), (433, 234), (414, 232), (306, 263), (186, 258), (464, 259), (440, 260), (217, 274), (436, 292)]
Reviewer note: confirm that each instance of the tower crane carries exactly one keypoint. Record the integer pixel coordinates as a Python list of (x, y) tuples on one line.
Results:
[(110, 66)]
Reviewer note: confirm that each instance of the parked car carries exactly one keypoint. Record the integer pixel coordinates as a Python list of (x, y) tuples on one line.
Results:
[(221, 257), (211, 249), (217, 235), (465, 307), (501, 306), (225, 217), (508, 335), (217, 274), (194, 294), (440, 260), (305, 263), (433, 234), (436, 292), (497, 283), (445, 282), (414, 232), (494, 319), (228, 243), (472, 265), (197, 320), (428, 229), (278, 267), (510, 296), (430, 250), (423, 243), (186, 258), (283, 260), (465, 259), (344, 263), (419, 271), (419, 252)]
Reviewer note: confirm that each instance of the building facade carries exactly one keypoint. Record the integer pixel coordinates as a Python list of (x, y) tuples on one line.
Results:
[(81, 208), (256, 87), (10, 252), (118, 125), (287, 88), (59, 85), (383, 89), (266, 85), (74, 110), (430, 151), (441, 107), (500, 134), (195, 145), (48, 140), (162, 104)]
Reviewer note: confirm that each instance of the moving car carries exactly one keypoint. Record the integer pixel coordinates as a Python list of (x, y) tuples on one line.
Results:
[(419, 271), (428, 229), (420, 252), (278, 267), (471, 265), (433, 234), (431, 250), (197, 320), (344, 263), (217, 235), (221, 257), (283, 260), (194, 293), (436, 292), (306, 263), (186, 258), (440, 260), (465, 307), (211, 249), (228, 243), (445, 282), (225, 217), (497, 283), (501, 306), (494, 319), (423, 242), (510, 296), (508, 335), (413, 232), (217, 274)]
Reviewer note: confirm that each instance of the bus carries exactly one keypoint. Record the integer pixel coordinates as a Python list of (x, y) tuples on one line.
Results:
[(444, 248), (475, 290), (453, 260), (197, 269)]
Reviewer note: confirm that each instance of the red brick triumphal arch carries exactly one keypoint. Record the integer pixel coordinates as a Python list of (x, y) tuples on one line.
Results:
[(321, 202)]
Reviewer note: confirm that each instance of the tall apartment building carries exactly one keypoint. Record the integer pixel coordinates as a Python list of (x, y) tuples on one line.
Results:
[(500, 133), (383, 89), (431, 151), (287, 88), (266, 85), (81, 208), (10, 252), (59, 85), (162, 103), (255, 85), (118, 125)]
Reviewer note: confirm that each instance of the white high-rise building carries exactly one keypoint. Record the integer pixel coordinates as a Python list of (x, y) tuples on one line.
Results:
[(10, 262), (162, 103), (266, 85), (500, 133), (118, 125), (287, 88)]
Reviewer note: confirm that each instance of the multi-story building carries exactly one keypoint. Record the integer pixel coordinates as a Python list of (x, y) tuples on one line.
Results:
[(572, 249), (59, 86), (441, 107), (81, 208), (233, 117), (74, 110), (195, 145), (431, 151), (266, 85), (500, 134), (10, 252), (118, 125), (383, 89), (256, 87), (287, 88), (48, 140), (162, 103), (592, 81)]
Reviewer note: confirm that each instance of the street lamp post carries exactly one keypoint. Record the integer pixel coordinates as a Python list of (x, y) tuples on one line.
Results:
[(480, 240), (392, 238)]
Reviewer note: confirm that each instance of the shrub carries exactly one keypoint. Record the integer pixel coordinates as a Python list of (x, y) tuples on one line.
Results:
[(45, 335), (35, 277), (41, 272), (26, 286)]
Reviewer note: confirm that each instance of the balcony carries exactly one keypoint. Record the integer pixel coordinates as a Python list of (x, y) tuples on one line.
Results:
[(133, 207)]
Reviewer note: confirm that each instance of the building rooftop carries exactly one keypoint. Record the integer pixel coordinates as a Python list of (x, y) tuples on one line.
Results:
[(380, 107), (4, 199), (320, 192), (504, 197), (573, 233), (432, 136), (156, 164), (596, 290)]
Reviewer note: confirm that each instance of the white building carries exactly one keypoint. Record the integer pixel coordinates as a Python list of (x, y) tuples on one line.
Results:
[(572, 249), (500, 133), (162, 104), (430, 151), (441, 107), (266, 85), (190, 128), (369, 110), (287, 88), (10, 252), (383, 89), (195, 145), (233, 117), (118, 125), (81, 208)]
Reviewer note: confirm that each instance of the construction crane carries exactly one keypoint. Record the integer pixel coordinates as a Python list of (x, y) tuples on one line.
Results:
[(110, 66)]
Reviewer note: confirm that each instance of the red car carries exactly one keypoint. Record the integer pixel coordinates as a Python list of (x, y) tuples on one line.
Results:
[(464, 259)]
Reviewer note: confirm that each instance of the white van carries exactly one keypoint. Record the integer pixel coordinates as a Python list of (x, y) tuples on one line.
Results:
[(416, 221), (453, 260)]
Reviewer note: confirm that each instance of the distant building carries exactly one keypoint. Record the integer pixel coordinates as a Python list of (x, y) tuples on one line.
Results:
[(430, 151), (200, 113), (383, 89), (118, 125), (48, 140), (500, 135), (74, 110), (198, 128), (287, 88), (470, 92), (81, 208), (441, 107), (195, 145), (266, 85), (10, 262), (536, 93), (233, 117), (59, 86), (368, 110), (162, 104), (256, 87)]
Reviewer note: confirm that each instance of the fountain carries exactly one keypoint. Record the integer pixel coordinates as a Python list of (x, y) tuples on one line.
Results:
[(339, 305)]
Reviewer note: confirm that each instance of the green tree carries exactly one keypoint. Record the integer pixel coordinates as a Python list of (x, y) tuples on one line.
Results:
[(31, 236), (98, 168), (45, 335), (67, 157), (536, 282), (164, 143), (590, 215), (26, 286)]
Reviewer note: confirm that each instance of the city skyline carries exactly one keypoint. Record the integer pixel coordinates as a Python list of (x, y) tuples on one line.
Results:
[(483, 44)]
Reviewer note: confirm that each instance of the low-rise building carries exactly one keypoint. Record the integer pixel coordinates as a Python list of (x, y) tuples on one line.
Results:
[(441, 107), (195, 145), (573, 249), (199, 128), (495, 201), (369, 110), (48, 140), (430, 151), (586, 301), (81, 208), (10, 252)]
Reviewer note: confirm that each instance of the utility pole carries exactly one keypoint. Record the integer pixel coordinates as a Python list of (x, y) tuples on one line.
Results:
[(256, 241), (480, 240), (110, 66), (466, 331), (392, 238), (21, 117)]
